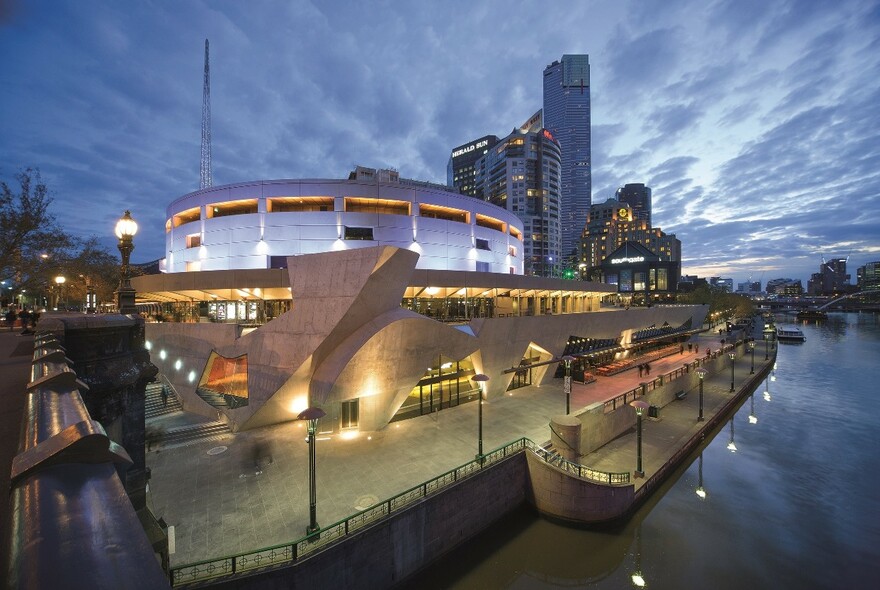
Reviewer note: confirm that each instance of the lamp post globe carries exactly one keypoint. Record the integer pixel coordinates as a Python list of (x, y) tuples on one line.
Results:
[(701, 373), (59, 281), (752, 350), (480, 379), (126, 228), (312, 415)]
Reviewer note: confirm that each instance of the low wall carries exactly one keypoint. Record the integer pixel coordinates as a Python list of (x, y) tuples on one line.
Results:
[(389, 552)]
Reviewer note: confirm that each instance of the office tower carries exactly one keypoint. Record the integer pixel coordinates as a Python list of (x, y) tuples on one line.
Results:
[(460, 171), (522, 174), (567, 117), (637, 196)]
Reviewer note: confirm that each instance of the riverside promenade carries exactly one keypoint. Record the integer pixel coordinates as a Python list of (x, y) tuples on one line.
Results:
[(220, 503)]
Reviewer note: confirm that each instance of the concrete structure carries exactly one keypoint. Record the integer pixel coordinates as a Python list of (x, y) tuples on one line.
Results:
[(348, 345), (567, 117), (257, 225)]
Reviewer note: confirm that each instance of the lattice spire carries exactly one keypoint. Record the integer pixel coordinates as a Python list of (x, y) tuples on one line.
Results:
[(205, 167)]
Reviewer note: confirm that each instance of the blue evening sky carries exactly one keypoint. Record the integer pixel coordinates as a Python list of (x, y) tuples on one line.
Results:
[(756, 122)]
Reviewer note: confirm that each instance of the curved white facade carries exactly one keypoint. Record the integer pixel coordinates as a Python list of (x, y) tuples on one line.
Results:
[(242, 226)]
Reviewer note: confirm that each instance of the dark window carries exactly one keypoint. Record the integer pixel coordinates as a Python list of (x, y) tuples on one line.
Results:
[(358, 233), (482, 244)]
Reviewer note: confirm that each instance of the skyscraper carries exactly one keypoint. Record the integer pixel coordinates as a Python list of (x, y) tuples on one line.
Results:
[(637, 196), (460, 171), (521, 174), (567, 117)]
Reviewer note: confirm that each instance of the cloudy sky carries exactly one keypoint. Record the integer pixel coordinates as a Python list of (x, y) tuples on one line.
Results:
[(756, 122)]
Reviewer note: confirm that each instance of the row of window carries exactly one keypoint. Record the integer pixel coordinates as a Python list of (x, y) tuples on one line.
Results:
[(351, 205)]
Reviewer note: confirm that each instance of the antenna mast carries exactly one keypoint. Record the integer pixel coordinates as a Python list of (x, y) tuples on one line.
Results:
[(205, 166)]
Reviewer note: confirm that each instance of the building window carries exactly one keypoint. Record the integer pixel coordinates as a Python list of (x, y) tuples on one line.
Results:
[(358, 233), (350, 413), (511, 250), (193, 241), (482, 244), (482, 266)]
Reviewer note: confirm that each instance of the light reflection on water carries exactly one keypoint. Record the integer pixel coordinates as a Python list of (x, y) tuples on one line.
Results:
[(796, 506)]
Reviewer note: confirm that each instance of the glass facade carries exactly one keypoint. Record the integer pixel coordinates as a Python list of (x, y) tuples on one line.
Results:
[(224, 381), (567, 117), (446, 384)]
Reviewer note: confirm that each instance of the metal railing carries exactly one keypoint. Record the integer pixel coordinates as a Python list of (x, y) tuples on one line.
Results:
[(289, 553)]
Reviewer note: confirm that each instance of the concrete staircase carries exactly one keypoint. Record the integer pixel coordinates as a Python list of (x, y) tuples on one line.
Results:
[(153, 405), (170, 425)]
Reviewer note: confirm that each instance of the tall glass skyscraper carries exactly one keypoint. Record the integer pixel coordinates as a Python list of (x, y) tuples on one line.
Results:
[(567, 117)]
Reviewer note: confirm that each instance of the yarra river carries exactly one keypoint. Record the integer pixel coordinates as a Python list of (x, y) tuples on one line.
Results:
[(795, 505)]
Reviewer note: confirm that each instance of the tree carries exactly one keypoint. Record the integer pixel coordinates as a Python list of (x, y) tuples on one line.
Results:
[(34, 249)]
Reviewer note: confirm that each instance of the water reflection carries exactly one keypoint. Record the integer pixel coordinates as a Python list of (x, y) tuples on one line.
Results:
[(794, 507)]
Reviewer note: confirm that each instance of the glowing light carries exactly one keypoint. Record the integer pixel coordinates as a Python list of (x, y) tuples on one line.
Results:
[(162, 354), (432, 290), (148, 345), (349, 434), (701, 492), (177, 364), (753, 419), (203, 252), (731, 447), (191, 377), (638, 580), (299, 404), (766, 396)]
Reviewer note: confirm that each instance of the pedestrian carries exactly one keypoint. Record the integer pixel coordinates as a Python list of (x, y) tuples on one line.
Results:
[(648, 368), (697, 348), (164, 397), (641, 368), (681, 350), (10, 319), (690, 346)]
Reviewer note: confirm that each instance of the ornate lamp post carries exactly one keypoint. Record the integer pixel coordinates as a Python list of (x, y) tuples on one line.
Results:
[(752, 349), (732, 356), (701, 373), (312, 415), (767, 332), (567, 385), (59, 281), (640, 407), (480, 379), (126, 228)]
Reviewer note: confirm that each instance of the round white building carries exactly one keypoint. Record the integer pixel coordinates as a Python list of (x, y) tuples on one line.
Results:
[(258, 224)]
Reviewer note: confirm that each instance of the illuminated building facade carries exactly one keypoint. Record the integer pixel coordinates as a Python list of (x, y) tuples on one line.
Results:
[(612, 224), (638, 197), (461, 171), (522, 175), (258, 224), (567, 117), (640, 275)]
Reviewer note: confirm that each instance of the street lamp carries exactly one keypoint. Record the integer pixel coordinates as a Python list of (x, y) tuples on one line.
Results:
[(701, 373), (752, 349), (567, 384), (767, 332), (480, 379), (59, 280), (732, 356), (312, 415), (126, 228), (640, 407)]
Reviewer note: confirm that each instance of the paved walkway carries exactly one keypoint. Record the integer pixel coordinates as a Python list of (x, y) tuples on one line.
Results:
[(220, 504)]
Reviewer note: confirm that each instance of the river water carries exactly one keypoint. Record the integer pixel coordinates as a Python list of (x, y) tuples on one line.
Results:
[(796, 505)]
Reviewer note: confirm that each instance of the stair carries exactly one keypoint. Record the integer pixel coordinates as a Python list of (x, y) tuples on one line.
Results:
[(153, 405), (195, 433)]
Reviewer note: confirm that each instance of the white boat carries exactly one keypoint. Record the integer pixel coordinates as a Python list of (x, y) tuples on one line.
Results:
[(789, 334)]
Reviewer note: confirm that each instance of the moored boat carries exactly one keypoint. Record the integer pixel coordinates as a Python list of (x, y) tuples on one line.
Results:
[(789, 334)]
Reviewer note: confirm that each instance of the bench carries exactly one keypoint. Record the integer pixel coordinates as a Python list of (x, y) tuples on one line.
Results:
[(680, 394)]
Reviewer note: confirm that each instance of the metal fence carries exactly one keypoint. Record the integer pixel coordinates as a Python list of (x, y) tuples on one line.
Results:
[(290, 553)]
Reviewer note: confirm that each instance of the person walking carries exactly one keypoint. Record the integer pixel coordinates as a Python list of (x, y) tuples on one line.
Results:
[(648, 368), (641, 368), (164, 397)]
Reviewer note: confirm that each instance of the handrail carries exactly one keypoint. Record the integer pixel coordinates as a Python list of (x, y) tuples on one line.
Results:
[(290, 553)]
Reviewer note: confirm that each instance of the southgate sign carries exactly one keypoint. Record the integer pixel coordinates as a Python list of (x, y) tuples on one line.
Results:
[(627, 260), (470, 148)]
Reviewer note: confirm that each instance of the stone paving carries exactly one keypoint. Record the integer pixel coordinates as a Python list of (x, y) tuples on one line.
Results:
[(220, 503)]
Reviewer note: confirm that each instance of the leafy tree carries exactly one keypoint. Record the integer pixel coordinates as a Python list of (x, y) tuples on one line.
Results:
[(34, 249)]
